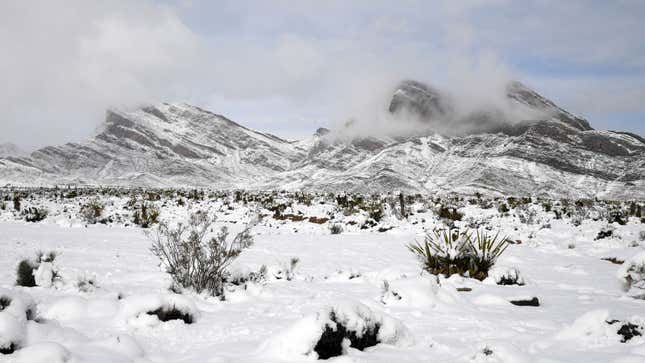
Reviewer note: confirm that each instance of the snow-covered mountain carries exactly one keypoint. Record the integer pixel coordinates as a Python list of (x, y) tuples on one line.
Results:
[(527, 146)]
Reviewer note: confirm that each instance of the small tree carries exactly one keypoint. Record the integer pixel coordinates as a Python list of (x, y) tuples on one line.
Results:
[(194, 258)]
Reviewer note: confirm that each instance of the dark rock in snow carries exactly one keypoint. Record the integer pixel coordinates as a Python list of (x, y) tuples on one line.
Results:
[(530, 302)]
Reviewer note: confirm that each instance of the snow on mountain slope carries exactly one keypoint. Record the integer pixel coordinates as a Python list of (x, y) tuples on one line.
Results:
[(166, 144), (551, 153)]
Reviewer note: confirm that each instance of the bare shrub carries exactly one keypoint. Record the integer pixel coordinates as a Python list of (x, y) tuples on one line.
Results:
[(195, 258)]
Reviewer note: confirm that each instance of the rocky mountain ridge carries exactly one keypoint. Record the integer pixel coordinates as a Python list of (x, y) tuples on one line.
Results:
[(554, 154)]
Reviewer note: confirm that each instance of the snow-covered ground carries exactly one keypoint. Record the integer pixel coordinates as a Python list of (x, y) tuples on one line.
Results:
[(428, 320)]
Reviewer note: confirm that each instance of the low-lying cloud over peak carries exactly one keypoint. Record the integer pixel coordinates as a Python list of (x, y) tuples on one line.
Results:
[(290, 67)]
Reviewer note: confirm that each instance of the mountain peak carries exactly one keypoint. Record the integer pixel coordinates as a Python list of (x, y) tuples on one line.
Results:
[(176, 144), (430, 105)]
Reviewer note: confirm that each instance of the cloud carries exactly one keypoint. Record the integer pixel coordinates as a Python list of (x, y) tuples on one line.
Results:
[(64, 65), (285, 66)]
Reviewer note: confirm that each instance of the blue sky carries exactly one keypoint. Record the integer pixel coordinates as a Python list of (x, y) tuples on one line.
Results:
[(290, 66)]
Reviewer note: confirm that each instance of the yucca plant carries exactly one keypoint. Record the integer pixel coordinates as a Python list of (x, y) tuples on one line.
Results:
[(484, 250), (443, 252), (449, 252)]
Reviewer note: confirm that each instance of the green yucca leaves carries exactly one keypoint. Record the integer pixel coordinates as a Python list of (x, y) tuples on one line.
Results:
[(448, 252)]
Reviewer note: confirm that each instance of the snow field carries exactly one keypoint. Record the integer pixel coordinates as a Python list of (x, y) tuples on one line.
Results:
[(363, 276)]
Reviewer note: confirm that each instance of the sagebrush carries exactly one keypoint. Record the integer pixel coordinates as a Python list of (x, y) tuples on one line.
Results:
[(194, 257)]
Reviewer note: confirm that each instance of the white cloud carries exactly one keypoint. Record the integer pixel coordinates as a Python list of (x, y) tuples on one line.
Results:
[(273, 65), (63, 65)]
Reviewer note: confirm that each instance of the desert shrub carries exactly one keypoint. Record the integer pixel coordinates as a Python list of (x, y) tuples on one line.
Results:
[(503, 208), (258, 277), (92, 211), (86, 284), (35, 214), (8, 349), (507, 276), (632, 274), (27, 269), (605, 232), (336, 229), (171, 313), (330, 343), (16, 202), (4, 302), (194, 258), (450, 213), (526, 214), (375, 210), (288, 271), (484, 250), (617, 216), (145, 215), (448, 252), (547, 206), (443, 252), (627, 330), (25, 273)]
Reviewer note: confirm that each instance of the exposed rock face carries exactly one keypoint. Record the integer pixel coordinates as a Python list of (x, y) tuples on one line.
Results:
[(558, 154)]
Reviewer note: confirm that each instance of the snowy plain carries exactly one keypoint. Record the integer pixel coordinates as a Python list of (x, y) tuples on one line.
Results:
[(440, 321)]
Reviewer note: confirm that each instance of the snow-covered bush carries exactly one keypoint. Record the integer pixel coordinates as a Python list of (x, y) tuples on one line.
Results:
[(286, 271), (35, 214), (617, 216), (25, 273), (92, 211), (16, 202), (448, 252), (37, 272), (239, 277), (443, 252), (194, 258), (85, 283), (449, 213), (527, 214), (333, 330), (145, 215), (484, 250), (605, 232), (12, 332), (41, 352), (336, 229), (15, 310), (419, 292), (632, 274), (506, 276), (597, 329), (149, 310)]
